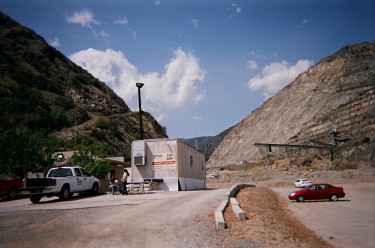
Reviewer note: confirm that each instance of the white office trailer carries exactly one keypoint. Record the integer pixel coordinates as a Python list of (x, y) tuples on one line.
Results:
[(173, 164)]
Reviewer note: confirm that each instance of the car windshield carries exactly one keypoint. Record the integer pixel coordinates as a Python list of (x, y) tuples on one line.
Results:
[(61, 172)]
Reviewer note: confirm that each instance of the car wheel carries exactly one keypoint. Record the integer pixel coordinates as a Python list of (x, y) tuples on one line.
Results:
[(333, 198), (64, 194), (95, 189), (35, 198), (12, 194), (300, 198)]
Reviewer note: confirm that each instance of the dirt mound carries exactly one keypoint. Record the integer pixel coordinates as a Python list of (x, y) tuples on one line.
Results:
[(269, 223)]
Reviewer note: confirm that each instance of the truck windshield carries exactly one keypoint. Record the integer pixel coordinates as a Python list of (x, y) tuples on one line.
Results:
[(60, 173)]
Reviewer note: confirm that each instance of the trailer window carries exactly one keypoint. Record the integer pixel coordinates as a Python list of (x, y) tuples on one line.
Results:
[(191, 161)]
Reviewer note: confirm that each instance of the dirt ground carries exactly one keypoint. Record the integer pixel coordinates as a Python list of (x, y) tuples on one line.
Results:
[(274, 221), (186, 219), (270, 223), (162, 219)]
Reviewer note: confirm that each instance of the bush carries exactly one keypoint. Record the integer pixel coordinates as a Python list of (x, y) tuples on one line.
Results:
[(91, 157), (26, 151)]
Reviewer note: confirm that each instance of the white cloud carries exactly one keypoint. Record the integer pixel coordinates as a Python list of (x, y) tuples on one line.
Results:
[(162, 117), (157, 2), (55, 42), (197, 118), (251, 65), (103, 34), (277, 75), (303, 23), (177, 86), (254, 54), (123, 21), (85, 18), (194, 22), (110, 67), (235, 9)]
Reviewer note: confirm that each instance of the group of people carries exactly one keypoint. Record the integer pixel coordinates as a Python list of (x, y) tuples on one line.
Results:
[(113, 183)]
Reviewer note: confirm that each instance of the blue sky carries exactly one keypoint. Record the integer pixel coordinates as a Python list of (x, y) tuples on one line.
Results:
[(205, 65)]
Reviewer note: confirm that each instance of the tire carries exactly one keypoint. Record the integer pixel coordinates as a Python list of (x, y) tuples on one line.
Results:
[(95, 189), (12, 194), (35, 198), (300, 198), (65, 193), (333, 197)]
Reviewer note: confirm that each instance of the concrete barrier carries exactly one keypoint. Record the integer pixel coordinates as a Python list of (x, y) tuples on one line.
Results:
[(220, 222), (233, 201), (237, 209), (238, 187), (222, 206), (239, 212), (219, 218)]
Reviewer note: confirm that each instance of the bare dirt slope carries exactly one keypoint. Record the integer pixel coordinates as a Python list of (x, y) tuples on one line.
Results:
[(270, 223)]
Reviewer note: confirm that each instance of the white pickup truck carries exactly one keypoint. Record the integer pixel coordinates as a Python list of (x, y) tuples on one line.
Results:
[(62, 182)]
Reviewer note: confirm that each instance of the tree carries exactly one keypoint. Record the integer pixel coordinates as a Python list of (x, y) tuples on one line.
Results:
[(28, 151), (91, 157)]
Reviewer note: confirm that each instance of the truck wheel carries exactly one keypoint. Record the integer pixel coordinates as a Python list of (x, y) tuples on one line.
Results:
[(95, 189), (64, 194), (12, 194), (35, 198)]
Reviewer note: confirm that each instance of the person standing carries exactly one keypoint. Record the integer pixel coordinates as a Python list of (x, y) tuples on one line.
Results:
[(124, 180)]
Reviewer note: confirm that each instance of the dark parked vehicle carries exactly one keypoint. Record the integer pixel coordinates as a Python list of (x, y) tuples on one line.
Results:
[(318, 192), (9, 188)]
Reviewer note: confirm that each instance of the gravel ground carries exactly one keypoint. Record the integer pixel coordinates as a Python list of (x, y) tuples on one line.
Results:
[(350, 222), (186, 219), (163, 219)]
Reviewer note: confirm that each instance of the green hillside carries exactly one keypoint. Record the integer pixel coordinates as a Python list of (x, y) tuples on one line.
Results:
[(42, 89)]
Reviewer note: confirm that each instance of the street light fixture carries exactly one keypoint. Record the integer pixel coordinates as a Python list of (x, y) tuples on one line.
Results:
[(139, 86)]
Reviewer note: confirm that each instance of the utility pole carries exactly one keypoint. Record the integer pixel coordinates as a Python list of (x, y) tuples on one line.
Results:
[(139, 86)]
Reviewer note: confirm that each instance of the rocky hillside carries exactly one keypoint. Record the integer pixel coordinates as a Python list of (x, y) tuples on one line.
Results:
[(41, 88), (335, 95)]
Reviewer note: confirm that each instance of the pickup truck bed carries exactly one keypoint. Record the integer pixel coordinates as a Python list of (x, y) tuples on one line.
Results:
[(38, 182)]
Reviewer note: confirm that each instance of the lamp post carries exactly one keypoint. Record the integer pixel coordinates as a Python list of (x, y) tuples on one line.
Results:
[(139, 86)]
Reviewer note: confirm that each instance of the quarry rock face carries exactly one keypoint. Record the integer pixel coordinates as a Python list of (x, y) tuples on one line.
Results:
[(336, 95)]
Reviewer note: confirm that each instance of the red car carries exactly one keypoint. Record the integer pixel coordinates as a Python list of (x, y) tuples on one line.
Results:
[(318, 192)]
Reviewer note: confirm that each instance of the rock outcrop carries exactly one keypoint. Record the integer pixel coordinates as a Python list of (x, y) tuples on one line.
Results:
[(335, 95)]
